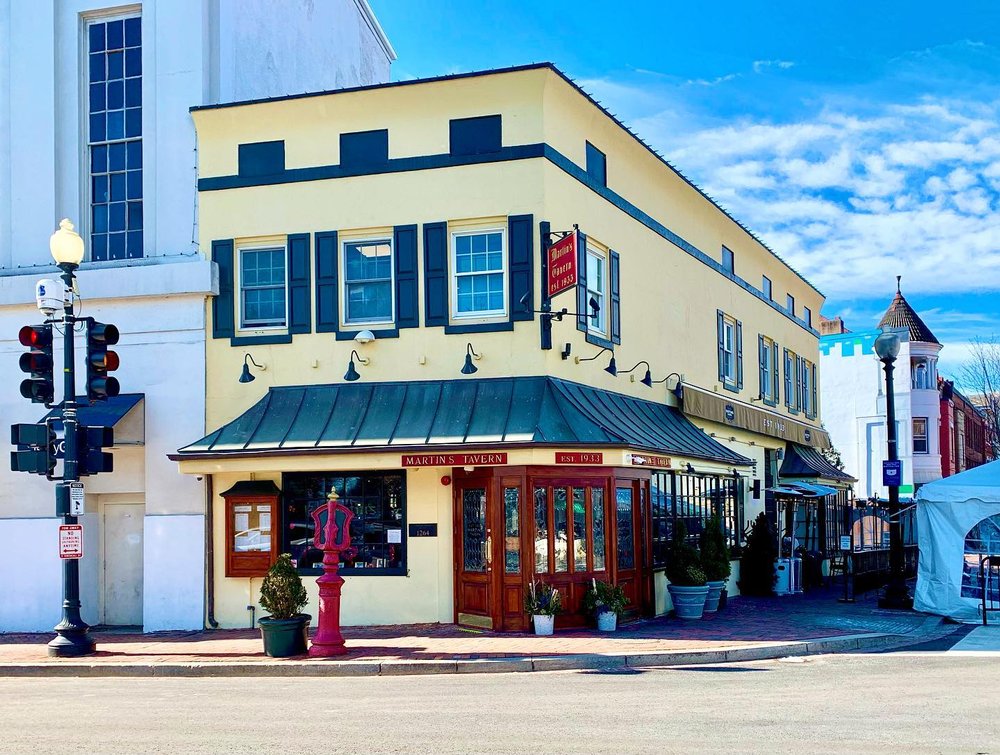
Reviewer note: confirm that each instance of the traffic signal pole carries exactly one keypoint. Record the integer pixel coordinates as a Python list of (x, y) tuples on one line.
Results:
[(72, 638)]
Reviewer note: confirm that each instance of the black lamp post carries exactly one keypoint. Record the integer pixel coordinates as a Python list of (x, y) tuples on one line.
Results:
[(896, 593), (71, 638)]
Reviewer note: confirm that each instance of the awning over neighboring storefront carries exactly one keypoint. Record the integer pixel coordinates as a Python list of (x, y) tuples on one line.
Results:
[(801, 461), (111, 412), (726, 411), (802, 490), (520, 411)]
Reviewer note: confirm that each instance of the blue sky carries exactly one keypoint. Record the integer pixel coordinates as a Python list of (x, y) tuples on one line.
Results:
[(860, 140)]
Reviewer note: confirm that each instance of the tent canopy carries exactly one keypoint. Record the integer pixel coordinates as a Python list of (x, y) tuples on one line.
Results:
[(979, 483)]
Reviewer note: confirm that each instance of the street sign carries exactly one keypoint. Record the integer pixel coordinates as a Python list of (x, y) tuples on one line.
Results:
[(76, 499), (70, 541), (845, 542), (892, 473), (562, 259)]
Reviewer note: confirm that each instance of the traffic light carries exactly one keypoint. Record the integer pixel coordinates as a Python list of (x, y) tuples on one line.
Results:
[(90, 442), (100, 361), (37, 363), (35, 449)]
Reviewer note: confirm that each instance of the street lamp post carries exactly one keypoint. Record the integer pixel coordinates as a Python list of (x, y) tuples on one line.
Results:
[(72, 638), (896, 593)]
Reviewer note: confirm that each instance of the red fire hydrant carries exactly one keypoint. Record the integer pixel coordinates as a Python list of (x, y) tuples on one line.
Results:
[(333, 537)]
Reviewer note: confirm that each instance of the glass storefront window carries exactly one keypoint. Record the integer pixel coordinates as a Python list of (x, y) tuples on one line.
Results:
[(626, 541), (561, 530), (512, 530), (378, 501), (579, 531), (597, 514), (541, 532)]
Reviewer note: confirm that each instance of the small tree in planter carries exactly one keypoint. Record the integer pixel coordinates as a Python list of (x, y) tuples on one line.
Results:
[(715, 560), (757, 575), (543, 602), (283, 596), (606, 602), (685, 576)]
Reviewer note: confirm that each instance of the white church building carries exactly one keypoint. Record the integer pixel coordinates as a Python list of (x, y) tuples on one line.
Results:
[(95, 127)]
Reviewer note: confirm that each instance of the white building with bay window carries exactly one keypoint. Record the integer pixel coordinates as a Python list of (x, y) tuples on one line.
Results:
[(95, 126)]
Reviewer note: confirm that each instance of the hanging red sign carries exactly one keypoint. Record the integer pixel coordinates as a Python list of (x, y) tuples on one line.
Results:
[(562, 264)]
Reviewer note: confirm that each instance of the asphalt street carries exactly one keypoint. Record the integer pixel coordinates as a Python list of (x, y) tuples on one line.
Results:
[(917, 701)]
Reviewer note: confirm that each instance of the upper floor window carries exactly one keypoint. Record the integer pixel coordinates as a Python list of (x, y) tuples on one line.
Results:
[(793, 381), (728, 261), (920, 445), (263, 283), (922, 373), (480, 276), (114, 136), (807, 316), (730, 337), (807, 387), (597, 281), (765, 288), (790, 305), (768, 370), (368, 282)]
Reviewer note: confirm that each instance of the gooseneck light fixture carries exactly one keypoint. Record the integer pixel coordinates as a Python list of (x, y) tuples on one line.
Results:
[(647, 379), (352, 373), (246, 376), (469, 368), (677, 386), (897, 595), (611, 369)]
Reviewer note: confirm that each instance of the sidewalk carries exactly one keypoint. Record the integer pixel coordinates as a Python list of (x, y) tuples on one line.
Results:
[(748, 629)]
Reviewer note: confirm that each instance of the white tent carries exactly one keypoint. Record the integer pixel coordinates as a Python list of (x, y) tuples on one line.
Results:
[(957, 519)]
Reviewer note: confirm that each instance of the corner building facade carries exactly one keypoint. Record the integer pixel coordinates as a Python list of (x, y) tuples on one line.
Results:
[(382, 257)]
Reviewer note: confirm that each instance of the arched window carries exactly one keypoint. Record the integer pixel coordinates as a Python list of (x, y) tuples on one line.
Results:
[(983, 539)]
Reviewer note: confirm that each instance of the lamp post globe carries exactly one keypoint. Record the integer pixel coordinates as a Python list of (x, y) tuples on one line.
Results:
[(66, 245), (887, 346)]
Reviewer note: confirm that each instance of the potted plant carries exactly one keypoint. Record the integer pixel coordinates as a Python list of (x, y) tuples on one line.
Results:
[(543, 602), (686, 579), (285, 631), (757, 574), (715, 561), (605, 601)]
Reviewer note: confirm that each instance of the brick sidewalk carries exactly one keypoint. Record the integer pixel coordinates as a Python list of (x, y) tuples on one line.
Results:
[(745, 623)]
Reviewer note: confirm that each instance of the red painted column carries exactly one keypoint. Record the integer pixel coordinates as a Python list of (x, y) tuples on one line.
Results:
[(329, 641)]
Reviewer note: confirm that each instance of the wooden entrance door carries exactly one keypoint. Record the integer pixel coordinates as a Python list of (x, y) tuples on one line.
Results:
[(474, 574)]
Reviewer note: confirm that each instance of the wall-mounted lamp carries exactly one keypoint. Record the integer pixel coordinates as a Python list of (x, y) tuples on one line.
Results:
[(647, 379), (364, 336), (680, 379), (469, 368), (611, 369), (352, 373), (689, 468), (246, 376), (566, 351)]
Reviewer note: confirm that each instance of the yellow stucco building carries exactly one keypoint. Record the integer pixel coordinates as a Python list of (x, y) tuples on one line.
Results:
[(385, 256)]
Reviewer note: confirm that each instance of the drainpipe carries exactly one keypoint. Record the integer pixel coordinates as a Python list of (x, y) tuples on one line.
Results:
[(210, 554)]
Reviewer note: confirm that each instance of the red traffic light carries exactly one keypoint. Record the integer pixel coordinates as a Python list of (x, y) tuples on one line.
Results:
[(35, 336)]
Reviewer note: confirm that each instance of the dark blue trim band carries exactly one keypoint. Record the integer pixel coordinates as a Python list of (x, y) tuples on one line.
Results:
[(259, 340), (596, 340), (348, 335), (486, 327)]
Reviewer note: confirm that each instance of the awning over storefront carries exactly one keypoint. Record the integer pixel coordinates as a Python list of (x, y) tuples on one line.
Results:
[(801, 461), (111, 412), (520, 411), (802, 490), (726, 411)]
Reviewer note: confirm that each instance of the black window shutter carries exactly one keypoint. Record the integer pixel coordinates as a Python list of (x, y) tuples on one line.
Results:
[(616, 298), (299, 320), (582, 306), (720, 326), (815, 393), (775, 360), (327, 293), (522, 266), (762, 365), (404, 248), (224, 305), (789, 383), (739, 354), (435, 274), (798, 382)]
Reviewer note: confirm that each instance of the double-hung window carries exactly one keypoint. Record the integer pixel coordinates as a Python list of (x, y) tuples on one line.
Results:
[(368, 282), (730, 338), (597, 289), (920, 445), (480, 274), (114, 135), (807, 385), (768, 370), (793, 381), (263, 288), (765, 287)]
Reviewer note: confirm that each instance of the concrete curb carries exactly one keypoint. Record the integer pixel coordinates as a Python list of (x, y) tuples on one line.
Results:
[(590, 661)]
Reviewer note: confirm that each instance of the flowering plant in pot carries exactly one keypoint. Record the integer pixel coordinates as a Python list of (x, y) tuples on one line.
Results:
[(283, 596), (543, 602), (606, 602), (715, 560), (685, 576)]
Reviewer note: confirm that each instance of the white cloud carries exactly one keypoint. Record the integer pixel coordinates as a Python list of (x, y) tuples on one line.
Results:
[(759, 66)]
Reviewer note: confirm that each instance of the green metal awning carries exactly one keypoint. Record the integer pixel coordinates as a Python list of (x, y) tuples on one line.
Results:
[(803, 461), (512, 412)]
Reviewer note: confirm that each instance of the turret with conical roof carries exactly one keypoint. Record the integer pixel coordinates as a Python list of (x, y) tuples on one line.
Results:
[(901, 315)]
